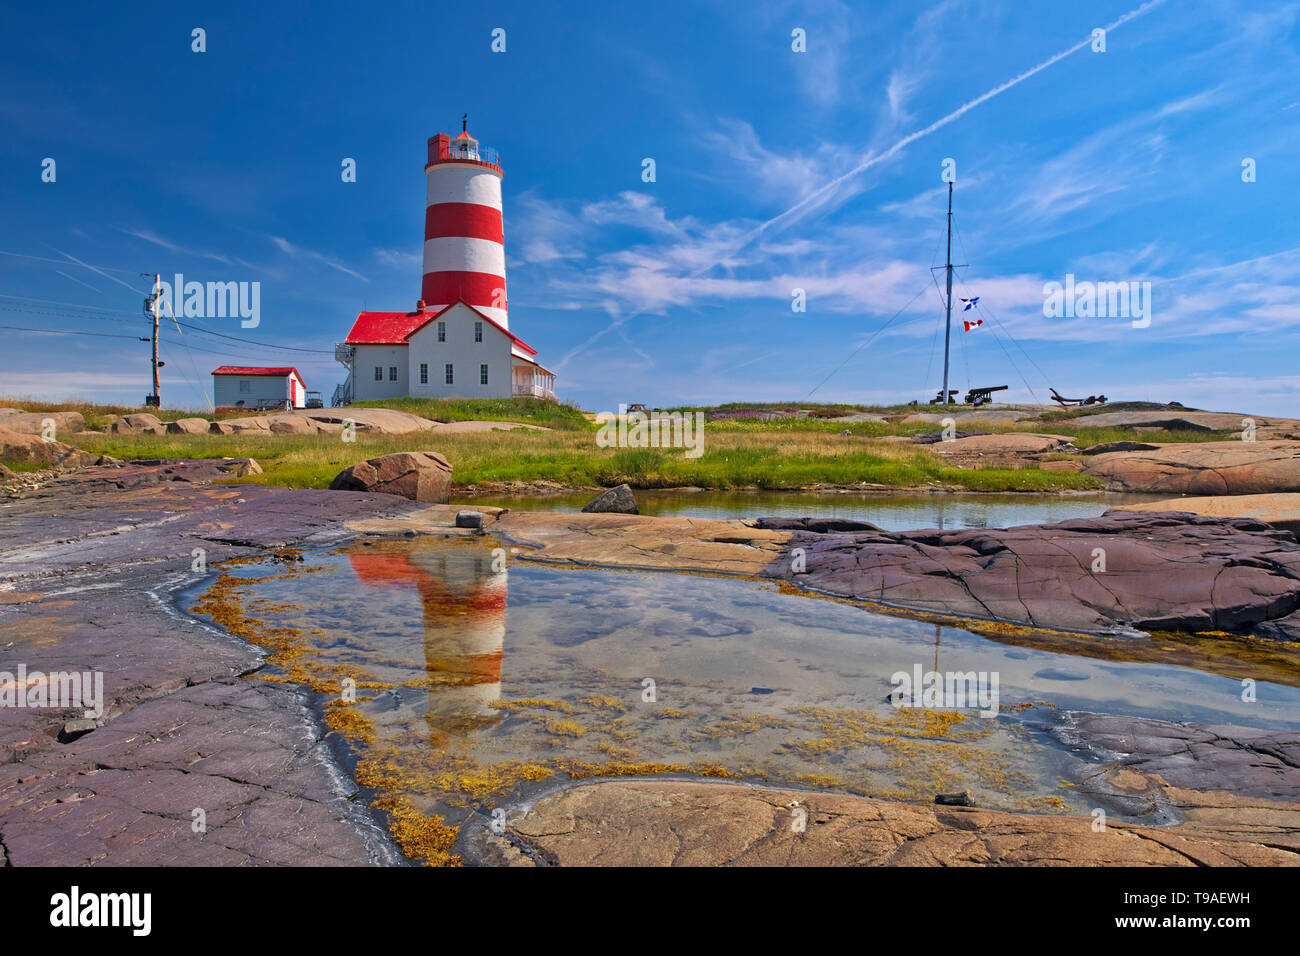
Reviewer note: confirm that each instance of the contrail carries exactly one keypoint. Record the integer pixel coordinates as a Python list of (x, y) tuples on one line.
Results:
[(95, 269), (880, 158), (79, 282)]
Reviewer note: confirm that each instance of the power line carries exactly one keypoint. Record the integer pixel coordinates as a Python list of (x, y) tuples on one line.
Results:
[(62, 262), (102, 335), (867, 342), (235, 338), (112, 315)]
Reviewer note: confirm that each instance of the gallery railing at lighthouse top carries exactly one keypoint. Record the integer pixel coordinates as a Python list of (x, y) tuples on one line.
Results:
[(477, 155)]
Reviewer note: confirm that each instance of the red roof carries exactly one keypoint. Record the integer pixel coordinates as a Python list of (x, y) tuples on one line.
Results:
[(394, 328), (255, 370)]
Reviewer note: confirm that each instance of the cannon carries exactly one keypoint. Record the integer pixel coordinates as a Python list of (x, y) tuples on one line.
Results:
[(982, 396)]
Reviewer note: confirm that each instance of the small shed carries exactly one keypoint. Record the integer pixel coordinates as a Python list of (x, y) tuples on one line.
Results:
[(245, 386)]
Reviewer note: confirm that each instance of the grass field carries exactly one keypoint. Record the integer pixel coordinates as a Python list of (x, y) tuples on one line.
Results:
[(738, 452), (571, 456)]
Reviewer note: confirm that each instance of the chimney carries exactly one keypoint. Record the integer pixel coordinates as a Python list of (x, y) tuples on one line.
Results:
[(419, 306)]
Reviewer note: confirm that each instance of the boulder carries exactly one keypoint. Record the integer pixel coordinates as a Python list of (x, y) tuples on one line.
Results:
[(1280, 510), (618, 500), (1180, 420), (188, 426), (384, 421), (33, 423), (19, 447), (240, 467), (1203, 468), (469, 519), (138, 423), (292, 425), (330, 421), (420, 476), (1003, 444), (234, 426), (930, 438), (1109, 446), (1168, 571)]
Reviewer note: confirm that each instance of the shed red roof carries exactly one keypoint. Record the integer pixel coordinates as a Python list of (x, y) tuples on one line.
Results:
[(394, 328), (255, 370)]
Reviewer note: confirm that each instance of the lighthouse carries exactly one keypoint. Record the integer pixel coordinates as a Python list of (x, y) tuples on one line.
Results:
[(464, 242), (456, 342)]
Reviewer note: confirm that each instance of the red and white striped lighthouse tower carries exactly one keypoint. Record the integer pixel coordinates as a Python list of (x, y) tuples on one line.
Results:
[(464, 244)]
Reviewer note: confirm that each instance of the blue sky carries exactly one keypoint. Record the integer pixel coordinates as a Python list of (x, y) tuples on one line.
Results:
[(776, 171)]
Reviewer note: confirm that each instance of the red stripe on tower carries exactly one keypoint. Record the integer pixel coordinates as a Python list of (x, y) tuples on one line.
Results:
[(463, 219), (464, 241), (477, 288)]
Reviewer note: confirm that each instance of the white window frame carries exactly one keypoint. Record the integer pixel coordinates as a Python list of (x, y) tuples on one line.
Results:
[(483, 373), (478, 331), (379, 373), (442, 331), (245, 386), (392, 373), (448, 374), (424, 373)]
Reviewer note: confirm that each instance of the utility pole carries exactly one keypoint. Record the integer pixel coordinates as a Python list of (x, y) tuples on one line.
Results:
[(151, 310), (948, 268)]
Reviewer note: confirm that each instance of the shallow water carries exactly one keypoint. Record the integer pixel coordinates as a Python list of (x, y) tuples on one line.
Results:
[(893, 512), (477, 684)]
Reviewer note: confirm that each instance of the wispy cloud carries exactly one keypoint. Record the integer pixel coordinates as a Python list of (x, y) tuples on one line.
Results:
[(299, 252)]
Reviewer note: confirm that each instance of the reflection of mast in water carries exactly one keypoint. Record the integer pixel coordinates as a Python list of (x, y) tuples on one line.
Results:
[(464, 610)]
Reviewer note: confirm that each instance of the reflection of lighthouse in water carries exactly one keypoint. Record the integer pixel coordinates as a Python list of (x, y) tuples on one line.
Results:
[(464, 611)]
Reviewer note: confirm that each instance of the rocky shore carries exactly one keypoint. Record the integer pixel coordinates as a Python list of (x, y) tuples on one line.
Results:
[(89, 568), (91, 565)]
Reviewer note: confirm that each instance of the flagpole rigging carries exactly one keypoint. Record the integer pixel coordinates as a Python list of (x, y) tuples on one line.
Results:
[(947, 330)]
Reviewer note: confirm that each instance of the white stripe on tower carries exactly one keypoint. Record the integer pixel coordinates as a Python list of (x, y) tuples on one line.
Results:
[(464, 246)]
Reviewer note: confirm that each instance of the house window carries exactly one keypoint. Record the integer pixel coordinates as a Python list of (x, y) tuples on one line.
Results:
[(424, 373), (478, 331), (450, 378), (482, 374), (392, 373), (379, 373), (442, 331), (245, 385)]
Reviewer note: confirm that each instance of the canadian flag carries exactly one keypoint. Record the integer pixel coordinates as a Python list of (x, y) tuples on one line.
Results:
[(967, 324)]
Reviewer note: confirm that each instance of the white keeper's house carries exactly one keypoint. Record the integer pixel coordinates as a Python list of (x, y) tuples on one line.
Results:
[(244, 386), (457, 342)]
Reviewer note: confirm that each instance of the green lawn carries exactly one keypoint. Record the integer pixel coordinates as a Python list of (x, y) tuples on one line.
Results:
[(730, 459), (739, 452)]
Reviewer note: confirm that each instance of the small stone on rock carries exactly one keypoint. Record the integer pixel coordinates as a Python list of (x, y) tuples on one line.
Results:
[(618, 500), (962, 799), (469, 519), (76, 728)]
